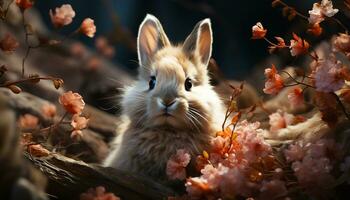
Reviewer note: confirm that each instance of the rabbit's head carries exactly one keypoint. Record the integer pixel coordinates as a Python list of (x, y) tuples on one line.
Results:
[(173, 87)]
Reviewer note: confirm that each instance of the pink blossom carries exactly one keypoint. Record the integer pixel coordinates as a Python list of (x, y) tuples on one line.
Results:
[(219, 144), (24, 4), (49, 110), (8, 43), (342, 43), (273, 189), (28, 121), (79, 122), (321, 10), (258, 31), (72, 102), (88, 27), (62, 16), (274, 82), (328, 75), (196, 187), (176, 165), (298, 46), (104, 47), (313, 172), (295, 152), (296, 97), (98, 193), (280, 120), (250, 137), (77, 49)]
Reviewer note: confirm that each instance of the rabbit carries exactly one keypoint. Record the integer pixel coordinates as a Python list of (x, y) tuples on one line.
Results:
[(171, 105)]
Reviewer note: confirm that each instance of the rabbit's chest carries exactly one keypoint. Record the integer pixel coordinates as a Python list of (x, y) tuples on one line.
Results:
[(150, 150)]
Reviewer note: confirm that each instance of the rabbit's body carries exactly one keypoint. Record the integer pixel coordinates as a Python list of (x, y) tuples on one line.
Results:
[(171, 106)]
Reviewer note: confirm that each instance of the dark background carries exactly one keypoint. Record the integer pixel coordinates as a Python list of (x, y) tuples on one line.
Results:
[(232, 20)]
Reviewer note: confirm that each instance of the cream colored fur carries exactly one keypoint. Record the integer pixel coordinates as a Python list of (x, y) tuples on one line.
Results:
[(149, 138)]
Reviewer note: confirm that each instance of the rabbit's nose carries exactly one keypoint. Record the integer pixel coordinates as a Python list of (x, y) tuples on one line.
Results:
[(167, 103)]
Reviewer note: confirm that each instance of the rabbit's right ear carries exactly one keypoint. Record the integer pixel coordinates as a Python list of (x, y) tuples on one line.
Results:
[(151, 38)]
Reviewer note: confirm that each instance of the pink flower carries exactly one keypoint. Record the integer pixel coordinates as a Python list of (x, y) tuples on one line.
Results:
[(28, 121), (313, 172), (280, 120), (321, 10), (62, 16), (298, 46), (274, 82), (295, 152), (176, 165), (8, 43), (88, 27), (79, 122), (94, 63), (219, 144), (72, 102), (273, 189), (296, 97), (24, 4), (258, 31), (342, 44), (77, 49), (98, 193), (252, 142), (328, 75), (196, 187), (104, 48), (49, 110)]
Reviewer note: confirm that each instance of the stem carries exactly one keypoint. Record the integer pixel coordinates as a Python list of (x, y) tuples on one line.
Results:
[(26, 80), (296, 12), (55, 125), (268, 41), (340, 24), (296, 81), (341, 105)]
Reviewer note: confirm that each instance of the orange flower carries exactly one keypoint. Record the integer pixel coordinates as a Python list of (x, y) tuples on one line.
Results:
[(62, 16), (72, 102), (342, 43), (315, 29), (296, 97), (88, 27), (274, 82), (49, 110), (79, 122), (38, 151), (104, 47), (298, 46), (28, 121), (24, 4), (321, 10), (258, 31), (94, 63), (77, 49), (8, 43)]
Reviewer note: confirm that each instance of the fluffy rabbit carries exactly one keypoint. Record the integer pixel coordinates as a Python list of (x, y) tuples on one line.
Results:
[(171, 105)]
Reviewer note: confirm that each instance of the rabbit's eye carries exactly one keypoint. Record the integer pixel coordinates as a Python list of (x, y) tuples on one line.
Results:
[(188, 84), (152, 82)]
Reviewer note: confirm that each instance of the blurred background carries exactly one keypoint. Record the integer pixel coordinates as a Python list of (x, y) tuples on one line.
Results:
[(234, 51)]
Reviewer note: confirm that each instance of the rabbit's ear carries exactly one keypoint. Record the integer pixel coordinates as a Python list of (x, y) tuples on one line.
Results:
[(151, 38), (199, 42)]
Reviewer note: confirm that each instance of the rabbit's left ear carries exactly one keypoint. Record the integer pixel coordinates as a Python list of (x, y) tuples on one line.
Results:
[(199, 42), (151, 38)]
